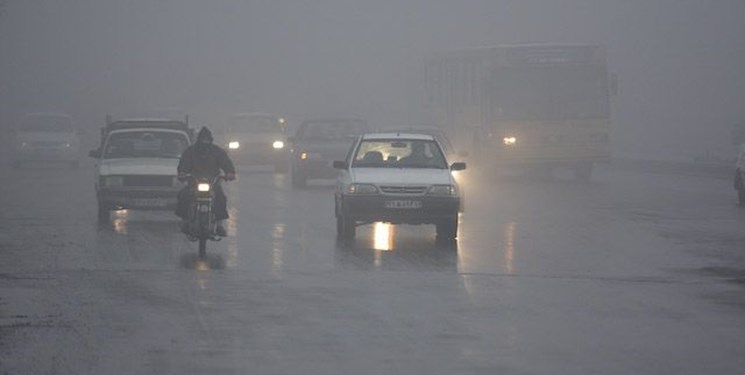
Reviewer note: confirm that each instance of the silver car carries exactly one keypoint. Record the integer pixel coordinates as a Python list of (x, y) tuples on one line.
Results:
[(46, 137)]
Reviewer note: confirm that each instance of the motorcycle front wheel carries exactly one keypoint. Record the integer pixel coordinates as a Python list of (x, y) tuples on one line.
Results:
[(202, 247)]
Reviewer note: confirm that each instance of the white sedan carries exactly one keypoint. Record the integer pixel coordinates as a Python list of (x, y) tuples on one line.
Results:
[(398, 178)]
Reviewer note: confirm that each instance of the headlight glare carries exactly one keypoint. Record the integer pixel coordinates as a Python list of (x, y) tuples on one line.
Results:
[(509, 141), (202, 186), (234, 145), (278, 144)]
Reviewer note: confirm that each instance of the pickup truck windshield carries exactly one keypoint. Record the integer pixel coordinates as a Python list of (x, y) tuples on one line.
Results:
[(145, 144)]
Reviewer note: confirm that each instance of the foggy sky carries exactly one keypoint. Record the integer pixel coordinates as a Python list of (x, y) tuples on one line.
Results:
[(680, 63)]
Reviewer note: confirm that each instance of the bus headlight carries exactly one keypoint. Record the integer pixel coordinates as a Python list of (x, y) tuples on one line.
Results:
[(234, 145), (278, 144), (509, 141)]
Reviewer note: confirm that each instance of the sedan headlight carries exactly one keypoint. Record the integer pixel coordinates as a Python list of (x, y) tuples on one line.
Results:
[(309, 155), (445, 190), (362, 189), (113, 181), (234, 145), (278, 144)]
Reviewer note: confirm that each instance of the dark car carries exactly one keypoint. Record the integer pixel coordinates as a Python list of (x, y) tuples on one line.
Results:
[(257, 139), (317, 143)]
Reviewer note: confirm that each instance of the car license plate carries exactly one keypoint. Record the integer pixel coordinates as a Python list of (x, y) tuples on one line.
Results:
[(403, 204), (149, 202)]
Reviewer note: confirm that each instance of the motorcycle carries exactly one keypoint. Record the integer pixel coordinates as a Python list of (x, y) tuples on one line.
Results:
[(201, 224)]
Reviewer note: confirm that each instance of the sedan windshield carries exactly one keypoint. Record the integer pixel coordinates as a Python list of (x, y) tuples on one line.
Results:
[(396, 153), (145, 144), (255, 124)]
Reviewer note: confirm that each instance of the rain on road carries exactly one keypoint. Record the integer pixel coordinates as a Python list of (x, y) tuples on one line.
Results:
[(635, 272)]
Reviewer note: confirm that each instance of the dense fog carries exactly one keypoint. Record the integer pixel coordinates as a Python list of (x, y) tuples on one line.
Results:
[(679, 63)]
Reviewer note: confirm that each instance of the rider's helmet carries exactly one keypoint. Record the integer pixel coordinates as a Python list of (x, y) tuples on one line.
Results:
[(204, 135)]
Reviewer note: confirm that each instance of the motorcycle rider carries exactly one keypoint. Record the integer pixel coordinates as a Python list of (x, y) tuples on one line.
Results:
[(205, 160)]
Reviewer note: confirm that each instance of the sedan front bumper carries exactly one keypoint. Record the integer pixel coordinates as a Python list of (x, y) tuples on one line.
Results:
[(398, 209)]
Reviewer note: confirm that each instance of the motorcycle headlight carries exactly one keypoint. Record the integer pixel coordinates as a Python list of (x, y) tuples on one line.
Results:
[(203, 187), (362, 189), (446, 190), (278, 144), (509, 141), (233, 145), (113, 181)]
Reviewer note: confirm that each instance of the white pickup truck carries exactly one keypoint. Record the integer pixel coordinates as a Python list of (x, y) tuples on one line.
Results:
[(136, 164)]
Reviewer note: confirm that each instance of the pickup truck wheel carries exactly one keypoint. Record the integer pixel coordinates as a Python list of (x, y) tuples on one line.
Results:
[(345, 227), (103, 212), (447, 229)]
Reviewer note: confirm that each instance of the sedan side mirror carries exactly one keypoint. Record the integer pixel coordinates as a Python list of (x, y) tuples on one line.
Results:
[(459, 166), (338, 164)]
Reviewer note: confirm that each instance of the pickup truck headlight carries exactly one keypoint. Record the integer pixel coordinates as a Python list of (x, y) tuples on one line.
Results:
[(362, 189), (113, 181), (444, 190)]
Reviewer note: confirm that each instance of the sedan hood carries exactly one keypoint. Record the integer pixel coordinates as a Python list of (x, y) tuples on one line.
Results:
[(139, 166), (46, 137), (255, 137), (402, 176)]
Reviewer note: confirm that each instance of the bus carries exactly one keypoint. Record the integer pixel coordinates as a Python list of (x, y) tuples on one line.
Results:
[(530, 106)]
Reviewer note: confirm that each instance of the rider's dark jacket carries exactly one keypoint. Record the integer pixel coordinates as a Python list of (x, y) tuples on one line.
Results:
[(205, 160)]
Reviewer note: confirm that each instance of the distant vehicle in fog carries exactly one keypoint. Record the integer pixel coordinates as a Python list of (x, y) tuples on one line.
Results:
[(136, 164), (317, 143), (45, 137), (257, 139), (400, 178), (530, 107)]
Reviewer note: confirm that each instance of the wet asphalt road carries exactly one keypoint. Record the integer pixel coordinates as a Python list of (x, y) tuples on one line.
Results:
[(636, 272)]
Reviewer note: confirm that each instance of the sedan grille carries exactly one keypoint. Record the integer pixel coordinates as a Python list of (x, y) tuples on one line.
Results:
[(402, 189), (147, 180)]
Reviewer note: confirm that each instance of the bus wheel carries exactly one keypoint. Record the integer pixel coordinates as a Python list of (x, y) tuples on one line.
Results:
[(583, 172)]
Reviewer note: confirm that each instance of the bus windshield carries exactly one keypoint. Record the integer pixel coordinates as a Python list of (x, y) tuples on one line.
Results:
[(549, 92)]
